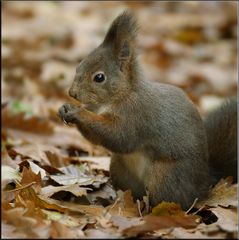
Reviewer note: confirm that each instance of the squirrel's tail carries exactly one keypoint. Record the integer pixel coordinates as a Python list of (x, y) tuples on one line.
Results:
[(221, 128)]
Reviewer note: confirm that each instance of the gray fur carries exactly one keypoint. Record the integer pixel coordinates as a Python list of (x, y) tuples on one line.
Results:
[(156, 134)]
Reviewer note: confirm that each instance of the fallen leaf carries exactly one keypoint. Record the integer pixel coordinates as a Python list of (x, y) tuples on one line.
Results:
[(227, 219), (24, 225), (124, 205), (100, 233), (167, 209), (152, 223), (36, 169), (98, 162), (74, 189), (31, 124), (7, 160), (73, 174), (37, 152), (28, 194), (9, 231), (104, 194), (28, 177), (59, 230), (182, 233), (9, 173), (123, 222), (65, 219), (224, 194)]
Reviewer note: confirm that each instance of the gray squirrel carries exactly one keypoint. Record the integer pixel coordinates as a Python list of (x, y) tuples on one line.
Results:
[(160, 144)]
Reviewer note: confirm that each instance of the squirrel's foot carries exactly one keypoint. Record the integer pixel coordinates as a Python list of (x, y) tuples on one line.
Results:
[(68, 113)]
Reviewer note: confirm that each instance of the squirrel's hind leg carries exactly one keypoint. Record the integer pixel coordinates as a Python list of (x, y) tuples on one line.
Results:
[(122, 178)]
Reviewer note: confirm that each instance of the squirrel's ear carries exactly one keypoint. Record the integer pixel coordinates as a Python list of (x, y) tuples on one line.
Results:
[(121, 36)]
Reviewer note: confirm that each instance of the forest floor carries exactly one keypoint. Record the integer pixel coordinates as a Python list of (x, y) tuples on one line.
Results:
[(55, 184)]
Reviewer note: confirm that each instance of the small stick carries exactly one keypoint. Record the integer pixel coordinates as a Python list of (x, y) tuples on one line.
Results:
[(138, 205), (195, 201), (110, 208), (20, 188), (198, 210)]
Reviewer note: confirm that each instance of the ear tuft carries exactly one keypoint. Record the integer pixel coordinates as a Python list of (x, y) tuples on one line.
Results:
[(123, 27), (121, 36)]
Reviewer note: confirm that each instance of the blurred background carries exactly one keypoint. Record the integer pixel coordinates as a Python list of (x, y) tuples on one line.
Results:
[(189, 44)]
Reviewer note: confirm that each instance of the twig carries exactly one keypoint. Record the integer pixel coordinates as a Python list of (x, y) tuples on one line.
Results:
[(198, 210), (138, 205), (113, 205), (20, 188), (195, 201)]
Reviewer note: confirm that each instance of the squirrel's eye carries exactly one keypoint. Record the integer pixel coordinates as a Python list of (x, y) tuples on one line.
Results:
[(100, 77)]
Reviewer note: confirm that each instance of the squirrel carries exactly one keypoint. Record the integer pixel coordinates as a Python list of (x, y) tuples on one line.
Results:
[(160, 145)]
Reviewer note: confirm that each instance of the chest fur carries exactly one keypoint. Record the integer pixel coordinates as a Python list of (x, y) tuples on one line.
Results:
[(136, 163)]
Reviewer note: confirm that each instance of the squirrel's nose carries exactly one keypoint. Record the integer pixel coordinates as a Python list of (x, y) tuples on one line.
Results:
[(72, 93)]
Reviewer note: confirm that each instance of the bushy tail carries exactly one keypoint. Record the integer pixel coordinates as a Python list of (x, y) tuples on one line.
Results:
[(221, 127)]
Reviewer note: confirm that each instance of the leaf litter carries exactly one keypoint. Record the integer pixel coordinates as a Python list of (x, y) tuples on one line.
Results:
[(55, 184)]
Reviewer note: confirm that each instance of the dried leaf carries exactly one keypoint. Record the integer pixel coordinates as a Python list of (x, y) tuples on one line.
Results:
[(167, 209), (224, 194), (31, 124), (74, 189), (154, 223), (227, 219), (9, 173), (37, 152), (124, 205), (73, 175), (98, 162), (123, 222), (24, 225), (59, 230)]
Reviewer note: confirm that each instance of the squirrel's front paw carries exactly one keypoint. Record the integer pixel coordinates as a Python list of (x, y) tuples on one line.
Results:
[(68, 113)]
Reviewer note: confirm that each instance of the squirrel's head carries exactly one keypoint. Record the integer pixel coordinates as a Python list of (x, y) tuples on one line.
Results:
[(110, 70)]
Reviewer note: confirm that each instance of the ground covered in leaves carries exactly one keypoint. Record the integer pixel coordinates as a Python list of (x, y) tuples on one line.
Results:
[(55, 183)]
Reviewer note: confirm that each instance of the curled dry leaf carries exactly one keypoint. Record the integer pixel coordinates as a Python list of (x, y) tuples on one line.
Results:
[(167, 209), (75, 208), (7, 160), (23, 224), (182, 233), (29, 177), (37, 152), (65, 219), (9, 173), (36, 169), (73, 188), (23, 196), (123, 223), (105, 193), (224, 194), (164, 215), (124, 205), (59, 230), (73, 174), (152, 223), (98, 162), (9, 231), (100, 233), (227, 219)]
